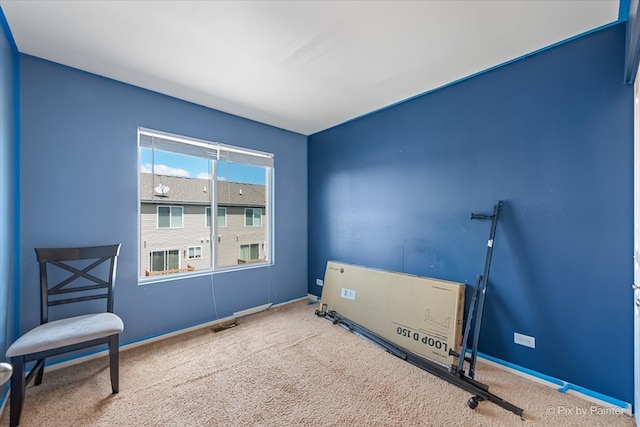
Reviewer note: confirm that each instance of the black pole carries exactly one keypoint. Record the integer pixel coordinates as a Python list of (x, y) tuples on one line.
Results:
[(483, 283), (467, 327)]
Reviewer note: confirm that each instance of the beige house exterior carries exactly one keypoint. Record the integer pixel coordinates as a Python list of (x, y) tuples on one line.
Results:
[(176, 233)]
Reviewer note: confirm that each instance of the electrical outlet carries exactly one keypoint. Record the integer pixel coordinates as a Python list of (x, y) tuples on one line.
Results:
[(319, 282), (524, 340)]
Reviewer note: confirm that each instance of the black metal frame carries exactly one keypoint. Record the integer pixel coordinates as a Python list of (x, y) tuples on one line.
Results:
[(55, 295), (480, 391), (476, 308), (455, 374)]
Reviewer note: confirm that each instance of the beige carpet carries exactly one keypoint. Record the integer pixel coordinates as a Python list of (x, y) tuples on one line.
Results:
[(286, 367)]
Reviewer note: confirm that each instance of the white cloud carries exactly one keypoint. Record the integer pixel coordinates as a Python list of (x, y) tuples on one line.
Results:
[(203, 175), (164, 170)]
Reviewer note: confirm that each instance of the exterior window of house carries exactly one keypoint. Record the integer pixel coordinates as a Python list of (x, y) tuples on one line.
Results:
[(169, 216), (194, 252), (222, 217), (165, 260), (249, 252), (182, 181), (252, 217)]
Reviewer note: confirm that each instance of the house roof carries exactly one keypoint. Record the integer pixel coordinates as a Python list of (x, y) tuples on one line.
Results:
[(198, 191)]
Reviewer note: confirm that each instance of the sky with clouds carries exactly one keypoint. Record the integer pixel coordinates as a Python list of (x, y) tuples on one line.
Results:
[(185, 166)]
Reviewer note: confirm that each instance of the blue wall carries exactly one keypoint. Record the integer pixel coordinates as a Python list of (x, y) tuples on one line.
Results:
[(8, 116), (78, 183), (552, 135)]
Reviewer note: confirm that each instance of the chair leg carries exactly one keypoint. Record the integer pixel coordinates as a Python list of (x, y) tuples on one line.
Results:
[(114, 362), (39, 374), (17, 390)]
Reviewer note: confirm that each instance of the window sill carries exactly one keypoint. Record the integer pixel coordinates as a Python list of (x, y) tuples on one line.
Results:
[(161, 278)]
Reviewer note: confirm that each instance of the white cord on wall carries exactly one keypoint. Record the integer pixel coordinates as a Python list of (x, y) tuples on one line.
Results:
[(271, 285), (213, 297)]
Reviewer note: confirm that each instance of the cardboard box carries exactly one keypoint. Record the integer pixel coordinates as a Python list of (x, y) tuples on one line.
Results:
[(420, 314)]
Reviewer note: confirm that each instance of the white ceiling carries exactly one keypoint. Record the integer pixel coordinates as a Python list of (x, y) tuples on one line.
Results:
[(303, 66)]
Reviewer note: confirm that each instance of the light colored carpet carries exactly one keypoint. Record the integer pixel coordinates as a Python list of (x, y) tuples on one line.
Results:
[(286, 367)]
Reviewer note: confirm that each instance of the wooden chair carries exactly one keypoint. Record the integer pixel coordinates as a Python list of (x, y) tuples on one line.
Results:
[(73, 276)]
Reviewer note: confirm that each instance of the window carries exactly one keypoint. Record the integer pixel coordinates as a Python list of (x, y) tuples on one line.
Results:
[(165, 260), (169, 216), (182, 181), (249, 252), (222, 217), (194, 252), (252, 217)]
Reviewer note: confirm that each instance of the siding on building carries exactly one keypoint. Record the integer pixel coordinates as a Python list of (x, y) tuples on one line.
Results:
[(193, 195), (194, 232), (235, 234)]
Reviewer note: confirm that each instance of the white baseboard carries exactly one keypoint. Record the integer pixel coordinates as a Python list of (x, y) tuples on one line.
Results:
[(309, 296), (252, 310), (313, 297)]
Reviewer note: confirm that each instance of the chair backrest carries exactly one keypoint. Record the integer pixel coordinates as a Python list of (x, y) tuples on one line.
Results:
[(76, 274)]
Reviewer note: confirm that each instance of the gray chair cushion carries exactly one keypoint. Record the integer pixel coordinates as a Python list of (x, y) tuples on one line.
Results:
[(60, 333)]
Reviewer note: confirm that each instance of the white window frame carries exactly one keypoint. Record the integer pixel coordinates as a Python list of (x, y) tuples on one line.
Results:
[(166, 259), (208, 217), (197, 252), (252, 217), (225, 216), (249, 245), (171, 207), (214, 152)]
